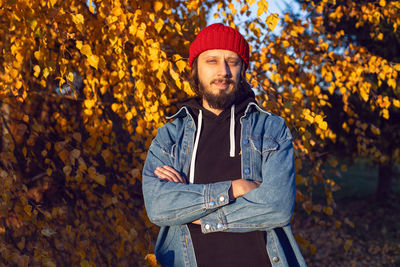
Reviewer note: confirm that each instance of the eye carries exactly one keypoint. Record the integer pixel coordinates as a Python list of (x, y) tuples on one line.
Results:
[(233, 62), (211, 61)]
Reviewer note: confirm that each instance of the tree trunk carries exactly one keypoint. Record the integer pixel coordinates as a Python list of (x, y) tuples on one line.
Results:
[(4, 118), (385, 176)]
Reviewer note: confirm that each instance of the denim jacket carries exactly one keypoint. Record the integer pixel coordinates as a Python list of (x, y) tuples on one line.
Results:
[(267, 156)]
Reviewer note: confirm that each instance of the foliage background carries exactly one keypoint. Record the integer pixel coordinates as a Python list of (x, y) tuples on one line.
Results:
[(85, 85)]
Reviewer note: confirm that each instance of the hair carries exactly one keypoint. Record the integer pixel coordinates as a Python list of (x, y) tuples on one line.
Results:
[(244, 86)]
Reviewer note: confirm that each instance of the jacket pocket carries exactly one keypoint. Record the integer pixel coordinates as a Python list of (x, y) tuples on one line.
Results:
[(262, 145)]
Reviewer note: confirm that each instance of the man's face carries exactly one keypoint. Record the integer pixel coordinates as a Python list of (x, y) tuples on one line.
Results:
[(219, 75)]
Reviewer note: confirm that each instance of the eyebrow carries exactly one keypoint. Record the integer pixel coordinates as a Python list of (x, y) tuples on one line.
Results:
[(215, 56)]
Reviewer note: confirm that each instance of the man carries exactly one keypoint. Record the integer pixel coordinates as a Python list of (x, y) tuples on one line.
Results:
[(219, 179)]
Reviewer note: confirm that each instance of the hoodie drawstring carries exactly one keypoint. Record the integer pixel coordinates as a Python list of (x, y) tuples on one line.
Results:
[(196, 143), (232, 132)]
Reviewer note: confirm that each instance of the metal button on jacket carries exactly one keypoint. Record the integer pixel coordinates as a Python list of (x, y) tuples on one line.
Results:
[(207, 226), (221, 199), (275, 259)]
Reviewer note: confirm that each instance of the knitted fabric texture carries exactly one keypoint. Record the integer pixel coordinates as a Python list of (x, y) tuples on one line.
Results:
[(218, 36)]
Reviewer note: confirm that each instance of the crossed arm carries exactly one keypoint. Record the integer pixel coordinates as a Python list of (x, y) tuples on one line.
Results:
[(246, 205), (238, 188)]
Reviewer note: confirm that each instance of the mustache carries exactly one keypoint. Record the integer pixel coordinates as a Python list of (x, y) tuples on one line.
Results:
[(222, 80)]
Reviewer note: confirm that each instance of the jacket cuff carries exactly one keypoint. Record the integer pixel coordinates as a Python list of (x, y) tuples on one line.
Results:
[(214, 222), (217, 194)]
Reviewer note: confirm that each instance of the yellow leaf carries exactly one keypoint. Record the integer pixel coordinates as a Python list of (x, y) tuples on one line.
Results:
[(348, 244), (46, 73), (385, 113), (28, 209), (93, 61), (313, 249), (162, 87), (67, 170), (343, 168), (174, 75), (396, 103), (262, 7), (181, 65), (392, 83), (382, 3), (70, 77), (272, 21), (251, 2), (328, 210), (86, 50), (53, 2), (75, 153), (38, 55), (100, 179), (33, 24), (159, 25), (91, 7), (140, 86), (88, 112), (115, 107), (36, 70), (89, 103), (85, 263), (151, 260), (157, 6), (79, 45), (78, 19), (117, 11), (128, 116), (21, 244)]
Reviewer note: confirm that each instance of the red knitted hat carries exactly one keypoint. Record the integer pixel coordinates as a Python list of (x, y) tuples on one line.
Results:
[(218, 36)]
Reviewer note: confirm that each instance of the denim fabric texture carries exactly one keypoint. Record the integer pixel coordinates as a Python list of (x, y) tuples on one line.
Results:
[(267, 156)]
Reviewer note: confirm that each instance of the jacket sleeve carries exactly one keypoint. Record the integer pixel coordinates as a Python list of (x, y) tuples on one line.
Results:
[(169, 203), (267, 207)]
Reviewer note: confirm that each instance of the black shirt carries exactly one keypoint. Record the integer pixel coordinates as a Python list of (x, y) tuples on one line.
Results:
[(213, 164)]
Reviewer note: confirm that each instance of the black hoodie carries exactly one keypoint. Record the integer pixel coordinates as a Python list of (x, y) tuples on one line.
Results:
[(214, 164)]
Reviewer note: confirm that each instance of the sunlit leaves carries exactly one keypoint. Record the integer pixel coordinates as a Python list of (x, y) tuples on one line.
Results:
[(272, 20), (262, 7)]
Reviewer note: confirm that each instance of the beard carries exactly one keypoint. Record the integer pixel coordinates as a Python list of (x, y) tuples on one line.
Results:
[(221, 100)]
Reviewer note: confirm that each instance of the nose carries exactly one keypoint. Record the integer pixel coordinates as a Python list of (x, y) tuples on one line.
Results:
[(224, 69)]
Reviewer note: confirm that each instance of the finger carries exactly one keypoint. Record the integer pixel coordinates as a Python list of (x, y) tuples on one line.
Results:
[(167, 174), (181, 179), (162, 176), (172, 173)]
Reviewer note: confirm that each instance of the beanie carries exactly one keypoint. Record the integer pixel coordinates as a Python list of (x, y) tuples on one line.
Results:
[(218, 36)]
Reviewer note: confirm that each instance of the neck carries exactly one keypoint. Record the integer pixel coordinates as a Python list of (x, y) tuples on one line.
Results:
[(213, 110)]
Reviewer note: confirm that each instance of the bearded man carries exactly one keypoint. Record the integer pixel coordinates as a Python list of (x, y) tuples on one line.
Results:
[(219, 179)]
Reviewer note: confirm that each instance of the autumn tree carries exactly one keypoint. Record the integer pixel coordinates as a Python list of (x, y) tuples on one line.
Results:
[(83, 87), (380, 134)]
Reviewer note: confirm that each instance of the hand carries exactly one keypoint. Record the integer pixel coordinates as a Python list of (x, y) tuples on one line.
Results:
[(240, 187), (170, 174)]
